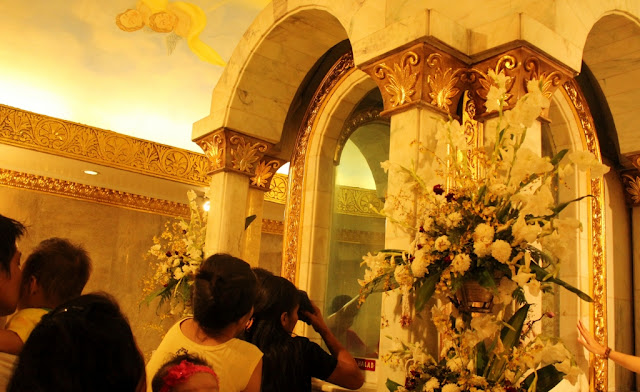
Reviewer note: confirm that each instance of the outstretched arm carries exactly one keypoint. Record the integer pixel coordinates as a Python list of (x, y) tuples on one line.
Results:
[(589, 342), (347, 374)]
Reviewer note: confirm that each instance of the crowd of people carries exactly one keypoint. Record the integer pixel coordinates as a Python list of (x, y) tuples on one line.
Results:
[(240, 337)]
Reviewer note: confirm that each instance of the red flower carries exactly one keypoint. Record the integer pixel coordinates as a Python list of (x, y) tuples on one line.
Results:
[(450, 197), (437, 189)]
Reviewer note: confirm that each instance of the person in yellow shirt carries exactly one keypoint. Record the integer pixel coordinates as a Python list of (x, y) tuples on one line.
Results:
[(55, 272)]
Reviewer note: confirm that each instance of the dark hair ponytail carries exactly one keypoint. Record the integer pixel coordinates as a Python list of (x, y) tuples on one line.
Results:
[(224, 291)]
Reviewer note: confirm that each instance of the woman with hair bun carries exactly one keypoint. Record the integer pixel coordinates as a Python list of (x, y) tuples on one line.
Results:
[(224, 292)]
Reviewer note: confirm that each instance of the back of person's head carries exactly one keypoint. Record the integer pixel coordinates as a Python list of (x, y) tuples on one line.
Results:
[(338, 302), (10, 231), (282, 358), (224, 291), (85, 344), (60, 267), (276, 295), (179, 370)]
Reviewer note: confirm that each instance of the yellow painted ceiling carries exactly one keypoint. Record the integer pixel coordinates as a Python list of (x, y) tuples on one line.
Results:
[(68, 59)]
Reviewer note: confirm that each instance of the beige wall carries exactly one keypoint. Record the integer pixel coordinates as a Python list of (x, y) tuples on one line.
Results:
[(116, 239)]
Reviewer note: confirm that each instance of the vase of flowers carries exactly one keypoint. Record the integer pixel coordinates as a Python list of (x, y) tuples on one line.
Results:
[(175, 258), (486, 227)]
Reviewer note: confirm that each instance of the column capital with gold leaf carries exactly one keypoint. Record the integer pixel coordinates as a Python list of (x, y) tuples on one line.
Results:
[(426, 75), (631, 181), (229, 150)]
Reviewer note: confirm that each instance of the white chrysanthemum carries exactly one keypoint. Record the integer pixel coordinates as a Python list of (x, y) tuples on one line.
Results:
[(481, 249), (461, 263), (455, 364), (451, 388), (442, 243), (453, 219), (501, 251), (430, 385), (403, 275), (420, 264), (483, 233)]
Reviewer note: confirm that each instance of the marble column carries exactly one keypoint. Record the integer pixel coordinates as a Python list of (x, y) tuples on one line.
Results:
[(419, 85), (240, 174)]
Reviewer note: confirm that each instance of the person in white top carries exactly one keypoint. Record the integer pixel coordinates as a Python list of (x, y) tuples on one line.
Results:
[(224, 292)]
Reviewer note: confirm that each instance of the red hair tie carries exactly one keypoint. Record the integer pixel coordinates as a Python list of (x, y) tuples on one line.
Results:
[(178, 374)]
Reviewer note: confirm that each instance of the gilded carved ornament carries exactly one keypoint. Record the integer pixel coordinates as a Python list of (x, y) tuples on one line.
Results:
[(400, 78), (228, 150), (442, 82), (64, 138), (631, 181)]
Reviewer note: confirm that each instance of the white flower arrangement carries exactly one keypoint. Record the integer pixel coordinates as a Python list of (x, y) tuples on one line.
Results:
[(487, 216), (176, 257)]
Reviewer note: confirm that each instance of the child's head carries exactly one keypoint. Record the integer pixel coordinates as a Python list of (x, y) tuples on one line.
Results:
[(59, 269), (85, 344), (183, 373), (224, 292)]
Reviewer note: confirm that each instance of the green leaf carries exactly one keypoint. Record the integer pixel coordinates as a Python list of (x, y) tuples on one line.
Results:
[(485, 279), (558, 157), (558, 209), (548, 378), (392, 386), (425, 292), (511, 336), (482, 358), (541, 274), (248, 220)]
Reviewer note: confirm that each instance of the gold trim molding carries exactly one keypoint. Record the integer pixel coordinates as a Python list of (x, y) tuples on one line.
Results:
[(355, 121), (425, 75), (293, 217), (68, 139), (584, 118), (77, 191)]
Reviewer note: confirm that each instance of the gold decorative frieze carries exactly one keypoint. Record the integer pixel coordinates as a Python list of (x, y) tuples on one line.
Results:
[(420, 74), (596, 234), (270, 226), (68, 139), (357, 201), (278, 189), (355, 121), (93, 194)]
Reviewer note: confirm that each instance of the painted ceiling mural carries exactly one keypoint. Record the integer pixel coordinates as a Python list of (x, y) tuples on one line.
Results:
[(143, 68)]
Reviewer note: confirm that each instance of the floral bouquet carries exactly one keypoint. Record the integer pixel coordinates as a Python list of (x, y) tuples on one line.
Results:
[(177, 255), (485, 224)]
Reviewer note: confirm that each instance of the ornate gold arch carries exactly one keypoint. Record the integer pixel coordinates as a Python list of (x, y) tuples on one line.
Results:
[(293, 217), (599, 367)]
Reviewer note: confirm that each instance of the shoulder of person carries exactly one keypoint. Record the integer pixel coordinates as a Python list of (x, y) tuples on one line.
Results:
[(244, 346)]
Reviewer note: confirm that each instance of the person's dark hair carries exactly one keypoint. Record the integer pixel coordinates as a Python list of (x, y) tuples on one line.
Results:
[(224, 291), (85, 344), (276, 296), (158, 380), (338, 302), (10, 231), (60, 267)]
